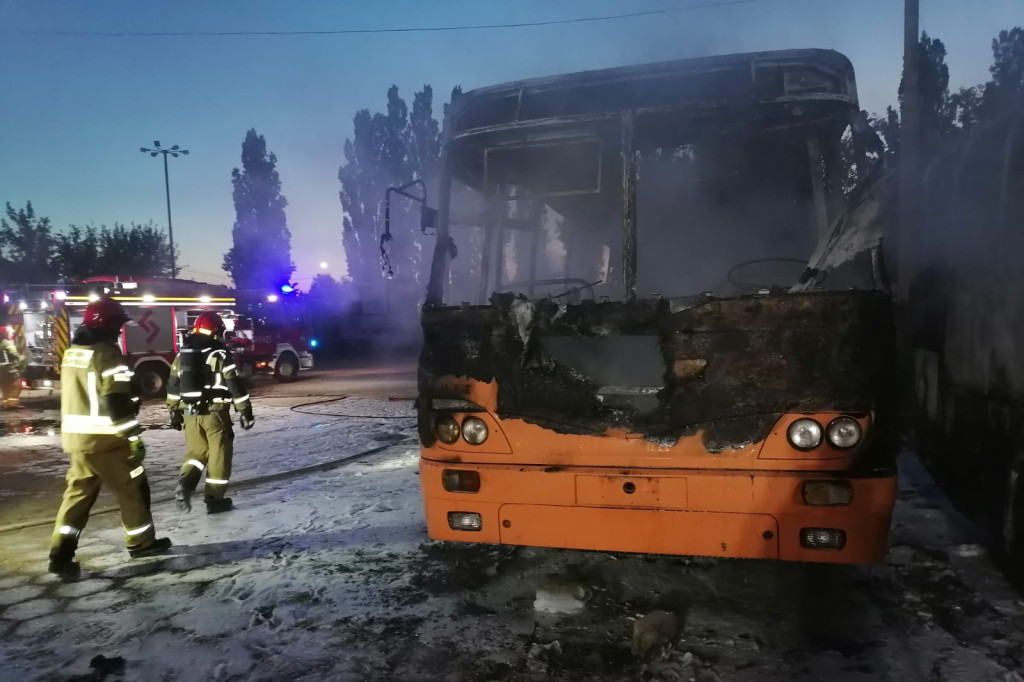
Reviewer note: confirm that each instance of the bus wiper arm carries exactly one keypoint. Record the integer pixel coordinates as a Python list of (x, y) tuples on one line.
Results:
[(570, 292)]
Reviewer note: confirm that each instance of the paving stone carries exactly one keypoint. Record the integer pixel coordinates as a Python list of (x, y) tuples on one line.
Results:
[(16, 595), (83, 588), (12, 581), (30, 609), (99, 601)]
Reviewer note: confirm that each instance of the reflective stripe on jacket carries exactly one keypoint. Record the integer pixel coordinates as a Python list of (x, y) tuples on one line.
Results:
[(226, 388), (92, 377)]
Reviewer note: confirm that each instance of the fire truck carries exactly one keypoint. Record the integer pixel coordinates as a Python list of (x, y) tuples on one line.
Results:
[(42, 318)]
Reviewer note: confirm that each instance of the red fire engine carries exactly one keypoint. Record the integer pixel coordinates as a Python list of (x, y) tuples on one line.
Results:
[(42, 319)]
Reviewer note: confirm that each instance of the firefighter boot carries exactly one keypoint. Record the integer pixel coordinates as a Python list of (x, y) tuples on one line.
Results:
[(217, 506), (151, 548), (62, 558), (183, 496)]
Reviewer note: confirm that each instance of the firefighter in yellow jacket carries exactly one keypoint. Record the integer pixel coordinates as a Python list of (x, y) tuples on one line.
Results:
[(10, 370), (101, 435), (203, 385)]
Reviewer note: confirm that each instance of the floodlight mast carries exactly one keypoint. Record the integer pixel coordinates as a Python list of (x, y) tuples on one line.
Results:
[(174, 151)]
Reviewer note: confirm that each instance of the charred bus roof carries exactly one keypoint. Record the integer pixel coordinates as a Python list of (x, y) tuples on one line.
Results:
[(785, 76)]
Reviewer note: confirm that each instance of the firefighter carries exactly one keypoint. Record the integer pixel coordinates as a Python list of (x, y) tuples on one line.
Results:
[(10, 370), (101, 435), (203, 385)]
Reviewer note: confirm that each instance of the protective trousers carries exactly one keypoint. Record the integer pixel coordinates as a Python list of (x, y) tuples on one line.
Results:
[(88, 472), (10, 385), (209, 441)]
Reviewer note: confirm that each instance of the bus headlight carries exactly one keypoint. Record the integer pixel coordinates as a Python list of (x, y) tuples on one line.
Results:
[(844, 432), (474, 430), (447, 430), (804, 434)]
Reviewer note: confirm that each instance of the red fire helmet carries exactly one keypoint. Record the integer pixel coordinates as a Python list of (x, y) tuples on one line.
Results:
[(209, 324), (105, 315)]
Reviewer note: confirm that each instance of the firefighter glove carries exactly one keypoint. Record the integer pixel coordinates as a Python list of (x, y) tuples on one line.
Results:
[(246, 419), (177, 419), (138, 449)]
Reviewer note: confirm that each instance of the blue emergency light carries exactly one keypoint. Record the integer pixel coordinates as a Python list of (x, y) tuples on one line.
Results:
[(287, 288), (312, 343)]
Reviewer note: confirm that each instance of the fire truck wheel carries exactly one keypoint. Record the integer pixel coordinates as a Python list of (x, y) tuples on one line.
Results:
[(151, 379), (287, 368)]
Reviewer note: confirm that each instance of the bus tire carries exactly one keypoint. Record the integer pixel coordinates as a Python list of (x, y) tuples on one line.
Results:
[(287, 367), (151, 380)]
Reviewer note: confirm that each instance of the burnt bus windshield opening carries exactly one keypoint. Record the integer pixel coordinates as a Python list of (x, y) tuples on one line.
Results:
[(537, 217), (724, 213), (723, 207)]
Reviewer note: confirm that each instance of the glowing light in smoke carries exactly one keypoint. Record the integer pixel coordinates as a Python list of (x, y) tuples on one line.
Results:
[(272, 298)]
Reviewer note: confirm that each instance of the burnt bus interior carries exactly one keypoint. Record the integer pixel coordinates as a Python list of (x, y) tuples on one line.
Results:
[(616, 249)]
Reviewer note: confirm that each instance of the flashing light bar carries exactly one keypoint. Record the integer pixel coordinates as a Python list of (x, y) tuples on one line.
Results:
[(153, 300)]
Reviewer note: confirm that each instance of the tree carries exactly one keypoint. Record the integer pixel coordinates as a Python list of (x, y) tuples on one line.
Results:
[(966, 107), (888, 130), (388, 149), (942, 114), (1007, 85), (132, 251), (78, 253), (27, 246), (260, 255), (328, 294)]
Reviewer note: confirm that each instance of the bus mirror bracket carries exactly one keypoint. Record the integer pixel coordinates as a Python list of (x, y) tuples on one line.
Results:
[(428, 218)]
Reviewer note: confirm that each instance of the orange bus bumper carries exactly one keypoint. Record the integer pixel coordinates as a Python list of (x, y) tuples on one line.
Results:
[(738, 514)]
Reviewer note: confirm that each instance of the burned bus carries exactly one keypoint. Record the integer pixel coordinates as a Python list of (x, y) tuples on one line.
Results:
[(624, 347), (968, 316)]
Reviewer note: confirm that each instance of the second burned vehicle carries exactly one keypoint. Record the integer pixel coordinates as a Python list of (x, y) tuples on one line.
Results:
[(624, 345)]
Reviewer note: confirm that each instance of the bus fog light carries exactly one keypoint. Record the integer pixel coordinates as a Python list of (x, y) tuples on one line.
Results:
[(474, 430), (465, 521), (827, 493), (458, 481), (447, 430), (822, 538), (844, 432), (804, 434)]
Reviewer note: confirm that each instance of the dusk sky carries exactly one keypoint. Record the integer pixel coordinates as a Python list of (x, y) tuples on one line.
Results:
[(76, 109)]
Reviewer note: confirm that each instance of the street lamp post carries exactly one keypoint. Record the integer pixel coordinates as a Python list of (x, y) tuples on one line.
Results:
[(174, 151)]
